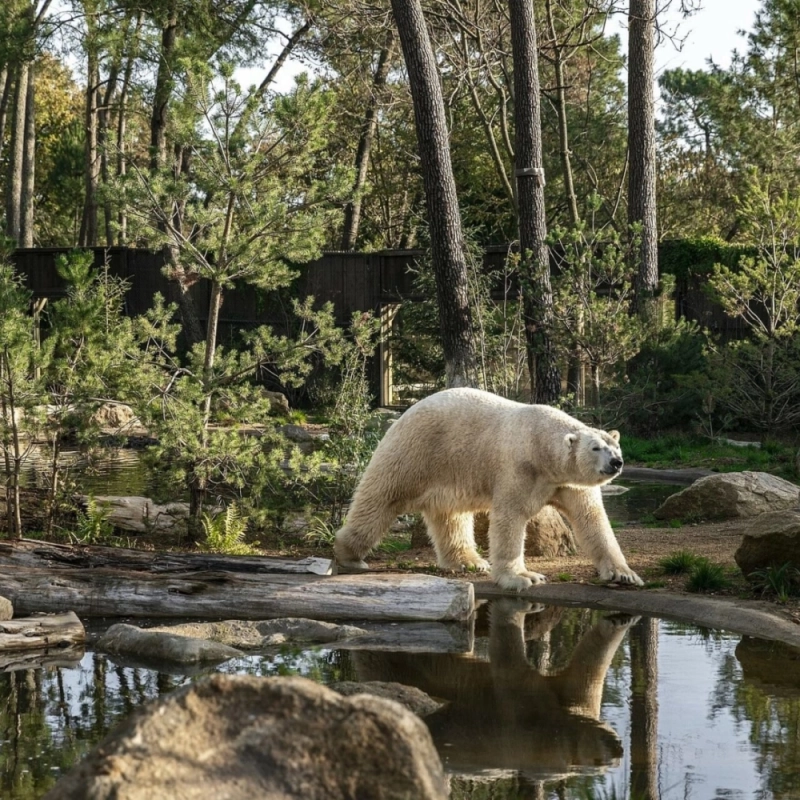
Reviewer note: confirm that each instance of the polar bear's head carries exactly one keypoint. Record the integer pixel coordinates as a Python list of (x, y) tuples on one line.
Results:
[(596, 455)]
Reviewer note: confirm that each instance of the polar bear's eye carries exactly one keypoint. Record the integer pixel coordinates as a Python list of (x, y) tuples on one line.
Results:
[(597, 448)]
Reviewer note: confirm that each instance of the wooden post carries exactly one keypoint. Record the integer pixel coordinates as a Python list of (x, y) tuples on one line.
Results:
[(388, 313)]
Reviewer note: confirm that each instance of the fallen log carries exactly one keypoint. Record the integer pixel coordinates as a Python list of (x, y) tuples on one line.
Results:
[(33, 553), (226, 595), (41, 633), (69, 657)]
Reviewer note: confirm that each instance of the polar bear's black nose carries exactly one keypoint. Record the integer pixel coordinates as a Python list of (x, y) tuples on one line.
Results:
[(616, 464)]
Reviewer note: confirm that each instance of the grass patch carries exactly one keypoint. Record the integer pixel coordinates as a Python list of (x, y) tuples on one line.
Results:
[(675, 523), (564, 577), (781, 580), (681, 451), (679, 563), (707, 577)]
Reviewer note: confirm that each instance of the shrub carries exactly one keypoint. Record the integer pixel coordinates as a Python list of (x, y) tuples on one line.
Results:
[(679, 563)]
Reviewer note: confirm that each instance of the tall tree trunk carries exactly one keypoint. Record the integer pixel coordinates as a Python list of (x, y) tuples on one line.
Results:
[(192, 329), (644, 710), (103, 127), (163, 90), (91, 169), (352, 211), (448, 248), (6, 87), (122, 121), (16, 154), (534, 253), (576, 368), (642, 147), (28, 188)]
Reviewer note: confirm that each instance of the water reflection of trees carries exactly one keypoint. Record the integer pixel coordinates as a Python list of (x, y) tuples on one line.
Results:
[(49, 718), (760, 687)]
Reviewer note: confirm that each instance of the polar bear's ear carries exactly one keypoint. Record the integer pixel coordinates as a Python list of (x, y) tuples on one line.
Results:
[(570, 439), (614, 435)]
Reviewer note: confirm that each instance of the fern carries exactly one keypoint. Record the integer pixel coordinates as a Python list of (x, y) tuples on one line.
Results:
[(224, 533)]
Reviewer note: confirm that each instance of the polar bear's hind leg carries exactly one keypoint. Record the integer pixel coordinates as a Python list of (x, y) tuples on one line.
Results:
[(453, 538)]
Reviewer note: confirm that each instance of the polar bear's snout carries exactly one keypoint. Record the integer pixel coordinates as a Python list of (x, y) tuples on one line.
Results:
[(614, 466)]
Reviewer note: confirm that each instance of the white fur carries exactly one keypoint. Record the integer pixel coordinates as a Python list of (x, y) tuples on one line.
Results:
[(463, 450)]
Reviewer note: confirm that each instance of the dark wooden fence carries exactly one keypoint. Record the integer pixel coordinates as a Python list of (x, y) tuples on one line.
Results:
[(353, 282)]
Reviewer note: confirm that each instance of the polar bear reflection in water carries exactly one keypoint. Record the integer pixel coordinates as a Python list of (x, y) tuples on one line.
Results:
[(461, 451), (504, 714)]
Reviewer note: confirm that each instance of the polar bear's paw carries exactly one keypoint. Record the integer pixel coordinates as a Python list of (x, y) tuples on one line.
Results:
[(617, 574), (513, 583), (465, 562), (536, 577)]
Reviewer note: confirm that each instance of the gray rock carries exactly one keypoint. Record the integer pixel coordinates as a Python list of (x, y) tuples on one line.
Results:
[(547, 535), (128, 640), (297, 629), (772, 538), (6, 609), (278, 403), (115, 415), (730, 495), (243, 737), (241, 634), (415, 700)]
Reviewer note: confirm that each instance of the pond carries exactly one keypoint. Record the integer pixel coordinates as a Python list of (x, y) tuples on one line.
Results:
[(550, 703)]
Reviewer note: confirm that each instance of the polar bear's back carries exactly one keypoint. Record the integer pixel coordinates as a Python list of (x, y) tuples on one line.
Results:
[(463, 439)]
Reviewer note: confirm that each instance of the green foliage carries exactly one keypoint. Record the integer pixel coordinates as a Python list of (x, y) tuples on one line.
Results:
[(225, 532), (707, 577), (92, 525), (781, 580), (696, 257), (592, 298), (679, 563)]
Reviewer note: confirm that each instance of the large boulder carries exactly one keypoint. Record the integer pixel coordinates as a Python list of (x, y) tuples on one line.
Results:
[(6, 609), (244, 737), (771, 538), (114, 416), (143, 515), (730, 495), (547, 535)]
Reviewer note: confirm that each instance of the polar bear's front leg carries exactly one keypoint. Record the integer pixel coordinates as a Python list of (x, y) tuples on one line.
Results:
[(584, 509), (507, 549)]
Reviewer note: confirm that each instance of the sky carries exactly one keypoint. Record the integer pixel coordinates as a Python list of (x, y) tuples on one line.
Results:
[(711, 32)]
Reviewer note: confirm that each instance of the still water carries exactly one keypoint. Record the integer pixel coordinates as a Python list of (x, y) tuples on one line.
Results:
[(549, 703)]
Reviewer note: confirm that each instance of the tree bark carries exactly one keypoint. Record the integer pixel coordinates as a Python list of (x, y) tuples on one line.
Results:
[(16, 154), (163, 90), (448, 250), (28, 186), (91, 170), (6, 85), (642, 147), (352, 211), (534, 253)]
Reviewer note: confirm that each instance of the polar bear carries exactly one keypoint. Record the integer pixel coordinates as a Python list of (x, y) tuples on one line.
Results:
[(465, 450)]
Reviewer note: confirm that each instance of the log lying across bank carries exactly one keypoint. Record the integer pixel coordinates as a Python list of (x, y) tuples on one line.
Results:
[(228, 595), (33, 553), (56, 632)]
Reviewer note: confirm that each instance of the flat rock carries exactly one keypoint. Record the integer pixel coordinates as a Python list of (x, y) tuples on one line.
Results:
[(6, 609), (415, 700), (242, 737), (730, 495), (128, 640), (769, 539), (248, 635)]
